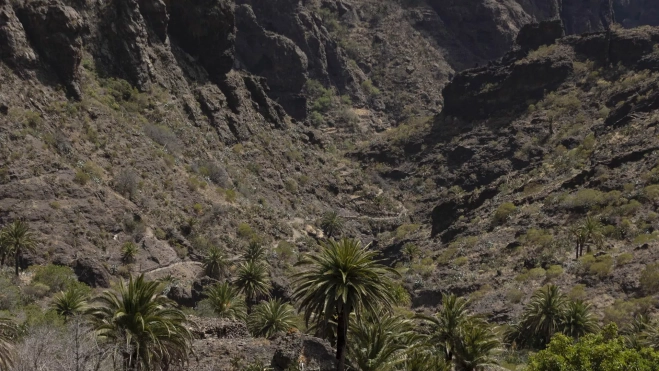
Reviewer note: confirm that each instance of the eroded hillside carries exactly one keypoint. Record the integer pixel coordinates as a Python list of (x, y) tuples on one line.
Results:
[(180, 126)]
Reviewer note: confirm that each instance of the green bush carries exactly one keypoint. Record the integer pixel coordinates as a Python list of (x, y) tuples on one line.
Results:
[(602, 352), (554, 271), (245, 231), (57, 277), (624, 258), (622, 312), (10, 294), (537, 238), (514, 295), (578, 292), (586, 199), (644, 238), (503, 213), (649, 279), (371, 90), (600, 266), (534, 274), (81, 177), (405, 230)]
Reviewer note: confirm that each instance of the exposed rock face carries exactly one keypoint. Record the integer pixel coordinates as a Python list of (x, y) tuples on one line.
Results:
[(633, 13), (586, 16), (55, 29), (15, 49), (273, 56), (92, 273), (480, 92), (534, 35), (205, 29), (130, 40)]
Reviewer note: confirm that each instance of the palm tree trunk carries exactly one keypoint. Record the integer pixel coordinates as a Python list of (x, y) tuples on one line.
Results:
[(341, 338), (577, 251), (16, 258)]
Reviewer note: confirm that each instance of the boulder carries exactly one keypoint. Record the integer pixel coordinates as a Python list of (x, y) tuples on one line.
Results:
[(534, 35), (91, 272)]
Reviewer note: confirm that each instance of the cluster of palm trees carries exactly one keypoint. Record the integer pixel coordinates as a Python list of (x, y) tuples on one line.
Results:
[(140, 328), (550, 312)]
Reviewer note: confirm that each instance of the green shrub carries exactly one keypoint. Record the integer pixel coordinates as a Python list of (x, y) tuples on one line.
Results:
[(578, 292), (623, 312), (651, 192), (644, 238), (405, 230), (285, 250), (586, 199), (554, 271), (463, 260), (649, 279), (371, 90), (245, 231), (57, 277), (514, 295), (81, 177), (503, 213), (534, 274), (446, 256), (291, 185), (624, 258), (600, 266), (10, 294), (537, 238)]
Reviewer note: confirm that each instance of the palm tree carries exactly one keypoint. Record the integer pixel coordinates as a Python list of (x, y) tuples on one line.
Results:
[(593, 229), (253, 281), (226, 301), (420, 359), (410, 251), (215, 264), (331, 223), (144, 324), (543, 316), (578, 320), (380, 343), (445, 325), (271, 317), (633, 332), (128, 252), (70, 302), (342, 278), (474, 347), (18, 237), (590, 230), (8, 332), (650, 336), (255, 252)]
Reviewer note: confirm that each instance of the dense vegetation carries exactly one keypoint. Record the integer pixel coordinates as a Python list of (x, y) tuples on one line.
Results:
[(342, 293)]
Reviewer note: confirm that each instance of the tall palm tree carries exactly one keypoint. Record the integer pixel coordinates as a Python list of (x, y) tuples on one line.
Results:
[(445, 325), (380, 343), (343, 278), (215, 264), (543, 316), (226, 301), (253, 280), (70, 302), (148, 330), (8, 332), (578, 320), (474, 347), (331, 223), (271, 317), (19, 238)]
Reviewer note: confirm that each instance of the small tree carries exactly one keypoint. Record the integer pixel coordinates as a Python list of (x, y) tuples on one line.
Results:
[(215, 264), (128, 252), (253, 280), (226, 301), (71, 302), (19, 238), (271, 317), (331, 223)]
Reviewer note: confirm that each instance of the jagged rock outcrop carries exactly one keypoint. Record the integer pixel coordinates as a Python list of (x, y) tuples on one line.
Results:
[(206, 30), (155, 12), (534, 35), (634, 13), (131, 41), (15, 49), (480, 92), (55, 30), (272, 56)]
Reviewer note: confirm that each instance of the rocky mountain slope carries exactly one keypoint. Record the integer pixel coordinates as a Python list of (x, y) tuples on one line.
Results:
[(178, 125)]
